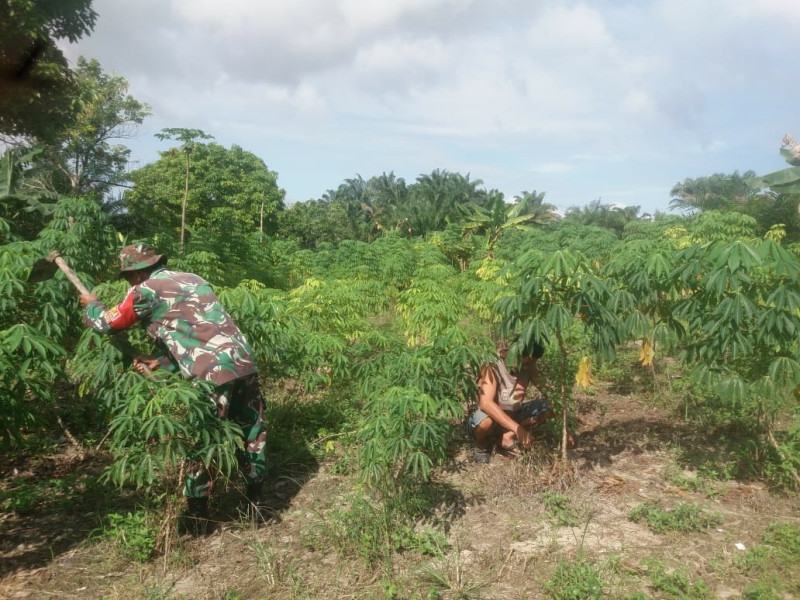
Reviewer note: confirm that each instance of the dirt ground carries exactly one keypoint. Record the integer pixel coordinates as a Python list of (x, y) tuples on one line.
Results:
[(502, 542)]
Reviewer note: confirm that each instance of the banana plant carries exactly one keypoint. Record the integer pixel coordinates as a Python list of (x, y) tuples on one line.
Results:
[(493, 219), (785, 180)]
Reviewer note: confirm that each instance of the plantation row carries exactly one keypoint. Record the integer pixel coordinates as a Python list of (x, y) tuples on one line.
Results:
[(400, 327)]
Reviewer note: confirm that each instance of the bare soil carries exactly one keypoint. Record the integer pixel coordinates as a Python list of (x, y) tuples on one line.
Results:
[(502, 541)]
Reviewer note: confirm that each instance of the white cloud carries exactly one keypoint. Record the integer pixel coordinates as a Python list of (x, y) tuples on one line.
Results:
[(570, 28), (639, 102), (583, 91), (552, 167)]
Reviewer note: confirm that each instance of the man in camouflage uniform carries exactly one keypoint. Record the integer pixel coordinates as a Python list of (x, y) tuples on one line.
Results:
[(196, 336)]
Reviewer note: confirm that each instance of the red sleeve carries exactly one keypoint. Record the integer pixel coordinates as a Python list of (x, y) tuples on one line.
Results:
[(122, 315)]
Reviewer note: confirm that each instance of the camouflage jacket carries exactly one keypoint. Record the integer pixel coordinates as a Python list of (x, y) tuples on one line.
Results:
[(181, 312)]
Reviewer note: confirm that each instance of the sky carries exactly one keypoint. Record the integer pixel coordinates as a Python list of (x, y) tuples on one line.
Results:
[(610, 100)]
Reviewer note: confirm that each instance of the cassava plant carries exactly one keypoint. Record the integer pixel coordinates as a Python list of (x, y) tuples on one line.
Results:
[(413, 396), (553, 296), (430, 307), (741, 305), (646, 296), (40, 323)]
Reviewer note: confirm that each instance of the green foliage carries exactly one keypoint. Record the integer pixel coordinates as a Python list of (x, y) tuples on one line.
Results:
[(763, 589), (39, 321), (82, 160), (555, 297), (21, 201), (163, 421), (656, 229), (700, 483), (483, 290), (716, 192), (134, 534), (37, 84), (785, 180), (742, 307), (262, 315), (412, 397), (310, 223), (607, 216), (578, 579), (560, 510), (493, 219), (647, 293), (375, 530), (775, 562), (589, 240), (784, 539), (429, 307), (682, 517), (230, 191), (718, 226), (29, 367), (365, 210), (676, 583)]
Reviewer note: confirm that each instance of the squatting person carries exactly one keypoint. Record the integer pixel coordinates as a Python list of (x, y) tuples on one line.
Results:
[(502, 417), (197, 337)]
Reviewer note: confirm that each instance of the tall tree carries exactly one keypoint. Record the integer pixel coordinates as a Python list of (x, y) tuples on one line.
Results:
[(35, 81), (715, 192), (188, 137), (433, 200), (232, 191), (609, 216), (312, 223), (82, 159), (532, 203)]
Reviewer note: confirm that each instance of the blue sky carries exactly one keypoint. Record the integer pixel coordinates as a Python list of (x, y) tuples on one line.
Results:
[(611, 100)]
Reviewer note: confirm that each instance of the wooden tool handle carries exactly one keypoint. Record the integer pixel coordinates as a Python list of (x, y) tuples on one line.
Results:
[(71, 276)]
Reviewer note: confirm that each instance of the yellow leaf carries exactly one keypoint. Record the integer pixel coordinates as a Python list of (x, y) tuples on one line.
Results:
[(646, 354), (584, 376)]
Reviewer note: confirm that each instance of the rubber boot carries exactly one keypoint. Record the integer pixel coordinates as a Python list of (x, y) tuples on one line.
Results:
[(196, 518)]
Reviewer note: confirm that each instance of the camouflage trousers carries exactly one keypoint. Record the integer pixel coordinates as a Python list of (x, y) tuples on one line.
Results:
[(241, 401)]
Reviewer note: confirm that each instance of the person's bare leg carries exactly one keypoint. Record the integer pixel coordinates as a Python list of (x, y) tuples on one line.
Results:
[(483, 432)]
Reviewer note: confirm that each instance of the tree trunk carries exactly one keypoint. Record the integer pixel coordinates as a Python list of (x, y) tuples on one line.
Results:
[(563, 383), (185, 199)]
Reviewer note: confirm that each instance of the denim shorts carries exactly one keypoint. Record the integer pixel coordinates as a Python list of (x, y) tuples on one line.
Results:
[(528, 410)]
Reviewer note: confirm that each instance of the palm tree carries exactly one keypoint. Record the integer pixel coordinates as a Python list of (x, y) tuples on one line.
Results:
[(716, 192), (389, 194), (434, 199), (532, 203)]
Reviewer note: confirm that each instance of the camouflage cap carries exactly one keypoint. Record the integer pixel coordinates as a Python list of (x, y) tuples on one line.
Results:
[(138, 256)]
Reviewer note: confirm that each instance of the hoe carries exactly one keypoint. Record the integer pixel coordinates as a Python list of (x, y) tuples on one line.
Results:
[(45, 268)]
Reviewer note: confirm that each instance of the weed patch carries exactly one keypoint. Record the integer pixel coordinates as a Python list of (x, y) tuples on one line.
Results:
[(700, 483), (574, 580), (133, 534), (775, 561), (375, 530), (684, 517), (676, 583), (560, 510)]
